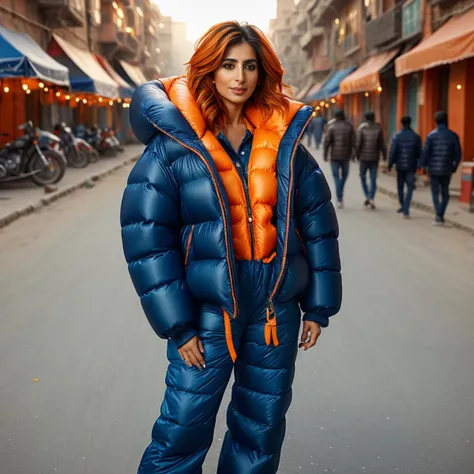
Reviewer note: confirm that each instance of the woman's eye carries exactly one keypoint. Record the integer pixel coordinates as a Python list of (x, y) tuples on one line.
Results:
[(228, 66), (251, 67)]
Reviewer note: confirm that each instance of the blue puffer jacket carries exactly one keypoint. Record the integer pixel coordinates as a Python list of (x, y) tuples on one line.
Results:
[(442, 152), (405, 151), (176, 228)]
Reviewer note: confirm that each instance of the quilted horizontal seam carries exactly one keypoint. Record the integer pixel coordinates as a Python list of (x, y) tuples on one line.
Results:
[(264, 368), (263, 424), (157, 287), (142, 184), (263, 393), (172, 388)]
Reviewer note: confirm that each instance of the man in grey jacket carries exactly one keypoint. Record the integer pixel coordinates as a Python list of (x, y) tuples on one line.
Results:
[(370, 145), (340, 139)]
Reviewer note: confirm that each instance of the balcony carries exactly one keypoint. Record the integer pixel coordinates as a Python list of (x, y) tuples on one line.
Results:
[(384, 29), (68, 13), (411, 24), (350, 43), (307, 38), (119, 42)]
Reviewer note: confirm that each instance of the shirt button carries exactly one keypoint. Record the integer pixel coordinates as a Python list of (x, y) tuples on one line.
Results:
[(242, 152), (250, 219), (238, 165)]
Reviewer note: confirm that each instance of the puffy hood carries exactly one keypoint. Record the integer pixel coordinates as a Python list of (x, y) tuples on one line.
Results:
[(169, 104)]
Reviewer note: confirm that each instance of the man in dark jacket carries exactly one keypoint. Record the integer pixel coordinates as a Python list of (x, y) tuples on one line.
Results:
[(405, 154), (341, 140), (441, 157), (370, 145)]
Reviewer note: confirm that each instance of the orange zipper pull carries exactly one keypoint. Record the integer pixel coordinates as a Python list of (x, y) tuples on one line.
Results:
[(271, 326)]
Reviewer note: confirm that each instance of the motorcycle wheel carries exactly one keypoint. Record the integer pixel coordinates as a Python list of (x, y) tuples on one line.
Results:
[(77, 159), (51, 175), (93, 156)]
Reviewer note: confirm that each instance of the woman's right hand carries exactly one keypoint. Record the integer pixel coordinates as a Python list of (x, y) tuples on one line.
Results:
[(192, 352)]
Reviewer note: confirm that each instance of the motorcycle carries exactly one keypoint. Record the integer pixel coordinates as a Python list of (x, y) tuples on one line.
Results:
[(74, 155), (96, 138), (110, 133), (23, 158), (91, 153)]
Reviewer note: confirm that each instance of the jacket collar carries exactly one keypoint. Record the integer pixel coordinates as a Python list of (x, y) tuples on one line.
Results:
[(168, 104)]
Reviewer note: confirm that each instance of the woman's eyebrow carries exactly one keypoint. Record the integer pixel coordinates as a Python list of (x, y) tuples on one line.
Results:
[(232, 60)]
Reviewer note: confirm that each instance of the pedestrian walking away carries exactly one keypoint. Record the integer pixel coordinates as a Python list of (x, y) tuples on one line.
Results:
[(315, 129), (405, 154), (441, 157), (339, 143), (370, 145), (230, 235)]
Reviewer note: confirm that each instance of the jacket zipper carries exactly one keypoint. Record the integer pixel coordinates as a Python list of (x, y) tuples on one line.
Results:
[(188, 246), (229, 257), (249, 209), (285, 246)]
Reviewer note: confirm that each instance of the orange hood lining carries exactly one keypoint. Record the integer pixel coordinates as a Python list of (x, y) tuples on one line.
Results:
[(180, 95)]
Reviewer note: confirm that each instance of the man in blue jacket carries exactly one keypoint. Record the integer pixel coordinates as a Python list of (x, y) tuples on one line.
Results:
[(441, 157), (405, 154)]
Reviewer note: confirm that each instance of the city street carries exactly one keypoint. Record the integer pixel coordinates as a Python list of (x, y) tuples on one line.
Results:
[(389, 388)]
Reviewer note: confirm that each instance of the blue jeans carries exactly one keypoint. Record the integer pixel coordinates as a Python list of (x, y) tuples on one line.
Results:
[(408, 178), (440, 185), (340, 171), (372, 167)]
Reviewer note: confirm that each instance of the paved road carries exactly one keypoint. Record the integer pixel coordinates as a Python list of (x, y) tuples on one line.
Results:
[(389, 388)]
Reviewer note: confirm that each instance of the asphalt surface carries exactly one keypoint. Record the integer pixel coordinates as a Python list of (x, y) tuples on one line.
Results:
[(388, 389)]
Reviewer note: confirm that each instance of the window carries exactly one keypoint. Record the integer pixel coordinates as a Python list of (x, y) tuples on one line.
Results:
[(95, 12), (411, 18), (373, 8)]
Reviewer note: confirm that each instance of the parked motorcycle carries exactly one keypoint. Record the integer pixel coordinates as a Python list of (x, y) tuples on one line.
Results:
[(110, 133), (94, 136), (23, 158), (74, 155), (91, 153)]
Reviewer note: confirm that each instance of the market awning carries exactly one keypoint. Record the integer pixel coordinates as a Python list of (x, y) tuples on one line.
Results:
[(367, 77), (313, 89), (331, 87), (133, 74), (20, 56), (125, 89), (86, 74), (453, 42)]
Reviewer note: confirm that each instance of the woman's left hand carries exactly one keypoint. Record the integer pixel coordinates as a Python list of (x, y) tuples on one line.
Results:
[(310, 334)]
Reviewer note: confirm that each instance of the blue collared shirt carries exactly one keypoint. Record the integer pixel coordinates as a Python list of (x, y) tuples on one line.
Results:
[(242, 156)]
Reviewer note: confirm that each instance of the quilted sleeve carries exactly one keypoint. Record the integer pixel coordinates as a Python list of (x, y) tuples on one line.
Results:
[(151, 226), (317, 224)]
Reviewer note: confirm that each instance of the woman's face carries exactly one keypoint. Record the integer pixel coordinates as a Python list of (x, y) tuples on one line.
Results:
[(237, 76)]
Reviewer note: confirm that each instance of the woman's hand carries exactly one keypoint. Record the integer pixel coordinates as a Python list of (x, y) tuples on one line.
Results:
[(310, 334), (191, 353)]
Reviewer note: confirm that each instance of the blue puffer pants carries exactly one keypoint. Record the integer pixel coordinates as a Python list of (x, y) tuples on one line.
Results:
[(261, 394)]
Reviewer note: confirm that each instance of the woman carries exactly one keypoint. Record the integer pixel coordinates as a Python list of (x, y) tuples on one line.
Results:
[(228, 230)]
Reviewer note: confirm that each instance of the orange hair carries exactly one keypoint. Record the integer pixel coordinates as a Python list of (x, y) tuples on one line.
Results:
[(208, 56)]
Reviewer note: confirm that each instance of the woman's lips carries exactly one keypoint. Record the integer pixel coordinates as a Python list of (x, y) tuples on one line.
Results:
[(238, 90)]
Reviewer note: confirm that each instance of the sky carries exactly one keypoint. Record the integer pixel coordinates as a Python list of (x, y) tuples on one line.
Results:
[(202, 14)]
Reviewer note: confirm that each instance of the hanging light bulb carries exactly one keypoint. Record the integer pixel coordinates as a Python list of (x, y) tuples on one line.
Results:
[(111, 102), (46, 89), (58, 94), (119, 100), (28, 91), (68, 97), (77, 99), (6, 90), (41, 85), (379, 88), (366, 94), (24, 87), (84, 101), (100, 99)]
